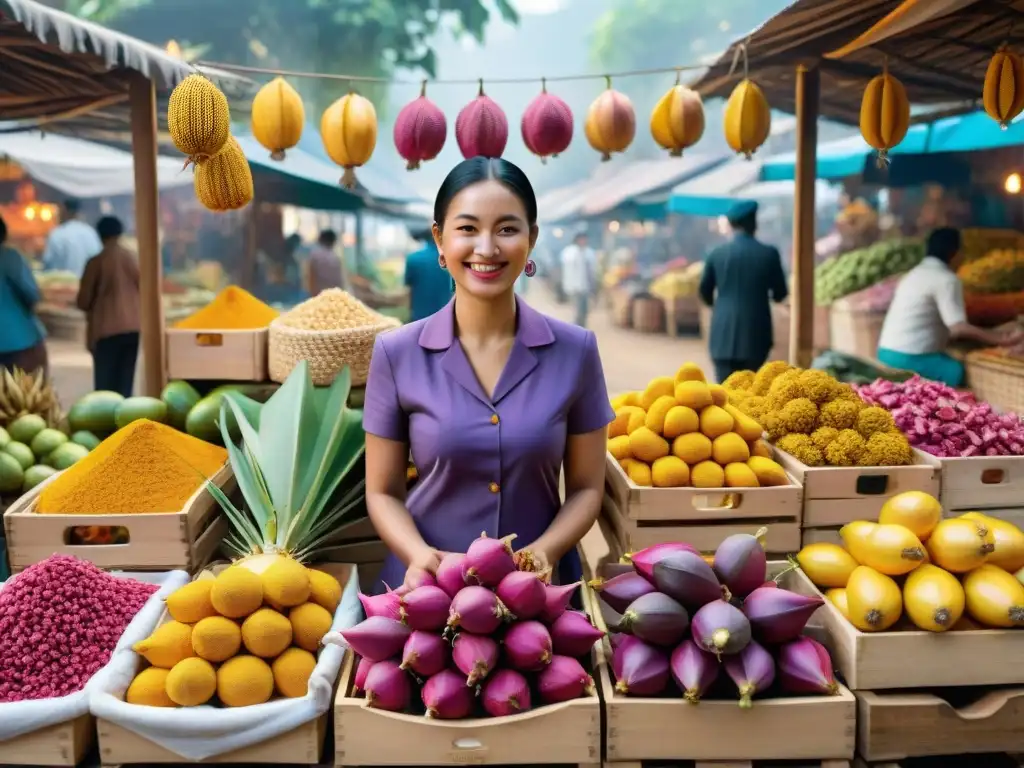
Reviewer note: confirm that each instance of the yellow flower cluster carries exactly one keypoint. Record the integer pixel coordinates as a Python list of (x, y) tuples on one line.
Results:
[(819, 420)]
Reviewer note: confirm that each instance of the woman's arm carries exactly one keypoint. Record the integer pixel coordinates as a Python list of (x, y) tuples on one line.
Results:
[(386, 465), (584, 489)]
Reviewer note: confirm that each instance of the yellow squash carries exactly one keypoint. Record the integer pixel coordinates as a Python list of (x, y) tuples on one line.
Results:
[(827, 565), (916, 510), (994, 597), (855, 536), (1003, 92), (748, 120), (933, 598), (348, 129), (873, 600), (892, 550), (884, 113), (278, 117), (224, 182), (677, 121), (960, 544), (1009, 542), (837, 597)]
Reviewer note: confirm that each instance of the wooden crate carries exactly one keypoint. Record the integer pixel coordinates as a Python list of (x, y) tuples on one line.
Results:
[(216, 355), (783, 535), (894, 726), (854, 331), (687, 505), (300, 746), (979, 482), (818, 729), (62, 744), (565, 733), (682, 313), (906, 657), (817, 535), (162, 541), (834, 496)]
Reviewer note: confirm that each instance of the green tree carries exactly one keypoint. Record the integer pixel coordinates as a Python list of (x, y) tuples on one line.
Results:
[(370, 38)]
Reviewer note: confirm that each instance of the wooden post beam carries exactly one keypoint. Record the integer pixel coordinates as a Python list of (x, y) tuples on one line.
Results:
[(801, 330)]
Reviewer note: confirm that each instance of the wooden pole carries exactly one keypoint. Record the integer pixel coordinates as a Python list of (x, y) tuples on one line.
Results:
[(801, 329), (142, 97)]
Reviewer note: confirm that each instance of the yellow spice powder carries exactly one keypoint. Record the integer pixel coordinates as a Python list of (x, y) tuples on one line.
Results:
[(145, 467), (233, 309)]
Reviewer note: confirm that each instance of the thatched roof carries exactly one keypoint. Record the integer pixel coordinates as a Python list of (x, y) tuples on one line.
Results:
[(939, 50)]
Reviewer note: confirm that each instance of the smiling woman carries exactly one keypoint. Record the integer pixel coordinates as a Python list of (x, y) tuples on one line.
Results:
[(492, 398)]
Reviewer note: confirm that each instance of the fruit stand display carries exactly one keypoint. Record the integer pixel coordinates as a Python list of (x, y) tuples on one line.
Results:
[(63, 622), (996, 376), (923, 601), (487, 663), (683, 461), (677, 289), (848, 456)]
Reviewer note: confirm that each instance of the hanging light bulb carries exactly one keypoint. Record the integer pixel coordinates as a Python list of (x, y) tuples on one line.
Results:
[(1012, 183)]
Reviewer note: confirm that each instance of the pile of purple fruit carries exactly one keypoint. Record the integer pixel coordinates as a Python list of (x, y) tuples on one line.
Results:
[(480, 638), (708, 628)]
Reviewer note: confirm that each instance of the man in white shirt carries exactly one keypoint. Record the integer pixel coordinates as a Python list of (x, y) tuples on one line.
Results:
[(927, 311), (578, 266), (72, 243)]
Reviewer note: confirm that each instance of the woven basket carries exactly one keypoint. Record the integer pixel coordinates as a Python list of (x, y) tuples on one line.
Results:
[(326, 352), (996, 379)]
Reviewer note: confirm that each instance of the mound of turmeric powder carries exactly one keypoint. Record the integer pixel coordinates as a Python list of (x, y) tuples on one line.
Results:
[(233, 309), (143, 468)]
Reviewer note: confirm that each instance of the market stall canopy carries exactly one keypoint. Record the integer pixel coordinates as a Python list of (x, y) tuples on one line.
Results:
[(939, 56), (712, 193), (59, 70), (81, 168)]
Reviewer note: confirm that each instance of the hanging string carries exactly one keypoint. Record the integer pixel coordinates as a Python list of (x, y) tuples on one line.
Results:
[(740, 54)]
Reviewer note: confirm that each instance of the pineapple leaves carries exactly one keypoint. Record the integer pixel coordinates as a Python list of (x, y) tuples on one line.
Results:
[(246, 467)]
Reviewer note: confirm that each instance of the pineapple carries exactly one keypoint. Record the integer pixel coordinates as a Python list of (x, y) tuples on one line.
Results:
[(295, 471), (23, 393)]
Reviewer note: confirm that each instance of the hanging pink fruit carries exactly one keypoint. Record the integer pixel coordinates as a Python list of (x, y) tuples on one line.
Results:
[(481, 127), (547, 125), (420, 131)]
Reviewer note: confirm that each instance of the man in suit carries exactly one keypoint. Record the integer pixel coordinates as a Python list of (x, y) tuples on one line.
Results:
[(739, 277)]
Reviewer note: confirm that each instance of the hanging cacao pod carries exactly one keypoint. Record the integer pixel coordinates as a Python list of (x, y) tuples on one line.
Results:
[(420, 131), (481, 127), (884, 114), (278, 117), (677, 121), (224, 181), (1003, 94), (198, 118), (611, 123), (547, 125), (747, 117), (348, 129)]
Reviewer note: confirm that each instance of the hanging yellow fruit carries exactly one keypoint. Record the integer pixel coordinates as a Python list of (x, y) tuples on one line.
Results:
[(611, 123), (278, 117), (1003, 95), (198, 118), (349, 131), (677, 121), (884, 114), (224, 182), (748, 119)]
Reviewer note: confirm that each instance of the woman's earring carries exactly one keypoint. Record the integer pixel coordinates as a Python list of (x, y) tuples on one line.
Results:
[(441, 262), (531, 268)]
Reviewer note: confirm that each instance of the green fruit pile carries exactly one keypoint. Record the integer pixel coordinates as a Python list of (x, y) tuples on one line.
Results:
[(30, 452), (858, 270)]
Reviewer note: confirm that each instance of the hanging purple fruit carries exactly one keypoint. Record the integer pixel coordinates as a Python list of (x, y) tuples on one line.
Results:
[(481, 127), (420, 130), (547, 125)]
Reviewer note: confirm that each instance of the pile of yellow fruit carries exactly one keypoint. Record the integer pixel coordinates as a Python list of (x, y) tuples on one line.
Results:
[(239, 636), (681, 431), (817, 419), (914, 563), (331, 309)]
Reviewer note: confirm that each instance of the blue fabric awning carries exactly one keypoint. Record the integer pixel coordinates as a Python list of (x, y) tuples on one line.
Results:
[(714, 192)]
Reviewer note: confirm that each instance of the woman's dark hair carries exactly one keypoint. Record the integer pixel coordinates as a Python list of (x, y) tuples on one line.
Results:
[(3, 231), (943, 243), (477, 169), (109, 227)]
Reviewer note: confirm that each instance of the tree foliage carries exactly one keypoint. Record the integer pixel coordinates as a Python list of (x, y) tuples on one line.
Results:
[(373, 38)]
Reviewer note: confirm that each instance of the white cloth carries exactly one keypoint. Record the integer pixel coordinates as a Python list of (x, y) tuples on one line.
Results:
[(928, 302), (70, 246), (199, 733), (578, 266), (19, 718)]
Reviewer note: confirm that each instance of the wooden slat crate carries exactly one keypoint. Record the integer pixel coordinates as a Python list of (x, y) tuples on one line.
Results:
[(897, 725), (979, 482), (835, 496), (989, 760), (162, 541), (804, 730), (64, 744), (216, 355), (303, 745), (905, 657)]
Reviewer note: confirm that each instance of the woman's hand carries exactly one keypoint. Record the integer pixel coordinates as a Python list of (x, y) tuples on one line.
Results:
[(424, 563), (536, 560)]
